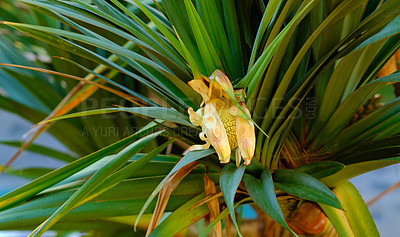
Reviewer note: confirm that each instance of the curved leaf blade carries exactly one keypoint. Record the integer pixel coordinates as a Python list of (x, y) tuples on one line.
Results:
[(166, 114), (305, 186), (263, 193), (321, 169), (181, 218), (347, 222), (43, 150), (187, 159), (48, 180), (77, 198), (229, 181)]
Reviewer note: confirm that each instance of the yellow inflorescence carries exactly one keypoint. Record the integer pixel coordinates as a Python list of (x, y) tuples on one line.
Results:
[(222, 126), (229, 122)]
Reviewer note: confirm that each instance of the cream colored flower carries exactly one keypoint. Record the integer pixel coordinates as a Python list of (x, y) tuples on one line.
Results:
[(222, 127)]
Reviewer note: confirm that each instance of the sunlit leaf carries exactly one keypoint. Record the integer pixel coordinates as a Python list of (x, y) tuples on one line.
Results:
[(152, 112)]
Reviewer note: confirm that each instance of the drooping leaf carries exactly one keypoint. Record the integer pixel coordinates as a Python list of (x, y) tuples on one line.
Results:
[(126, 172), (229, 181), (187, 159), (125, 199), (94, 182), (353, 170), (304, 186), (43, 150), (166, 114), (28, 173), (263, 194), (48, 180)]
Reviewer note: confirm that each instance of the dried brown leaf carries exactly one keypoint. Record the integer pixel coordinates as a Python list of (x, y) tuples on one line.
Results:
[(165, 193)]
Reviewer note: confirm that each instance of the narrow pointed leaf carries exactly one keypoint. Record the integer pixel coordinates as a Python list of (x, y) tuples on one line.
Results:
[(28, 173), (390, 29), (353, 170), (266, 20), (126, 172), (229, 181), (120, 159), (106, 45), (50, 179), (187, 159), (43, 150), (172, 39), (339, 119), (263, 194), (206, 47), (305, 186), (166, 114), (321, 169)]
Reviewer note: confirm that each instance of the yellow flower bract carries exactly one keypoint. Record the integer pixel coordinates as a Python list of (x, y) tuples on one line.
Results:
[(221, 126)]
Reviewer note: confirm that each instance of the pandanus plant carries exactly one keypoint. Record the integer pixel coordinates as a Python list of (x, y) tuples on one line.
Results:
[(260, 97)]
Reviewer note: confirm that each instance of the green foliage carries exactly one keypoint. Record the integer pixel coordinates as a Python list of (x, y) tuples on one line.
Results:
[(263, 194), (229, 181), (306, 66)]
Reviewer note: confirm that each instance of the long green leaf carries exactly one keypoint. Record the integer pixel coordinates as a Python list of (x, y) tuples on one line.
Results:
[(266, 20), (94, 182), (172, 39), (175, 10), (235, 39), (126, 198), (353, 170), (364, 129), (166, 114), (106, 45), (304, 186), (43, 150), (125, 172), (83, 52), (229, 181), (321, 169), (354, 211), (204, 43), (370, 150), (339, 119), (390, 29), (263, 194), (40, 184), (344, 79), (28, 173)]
